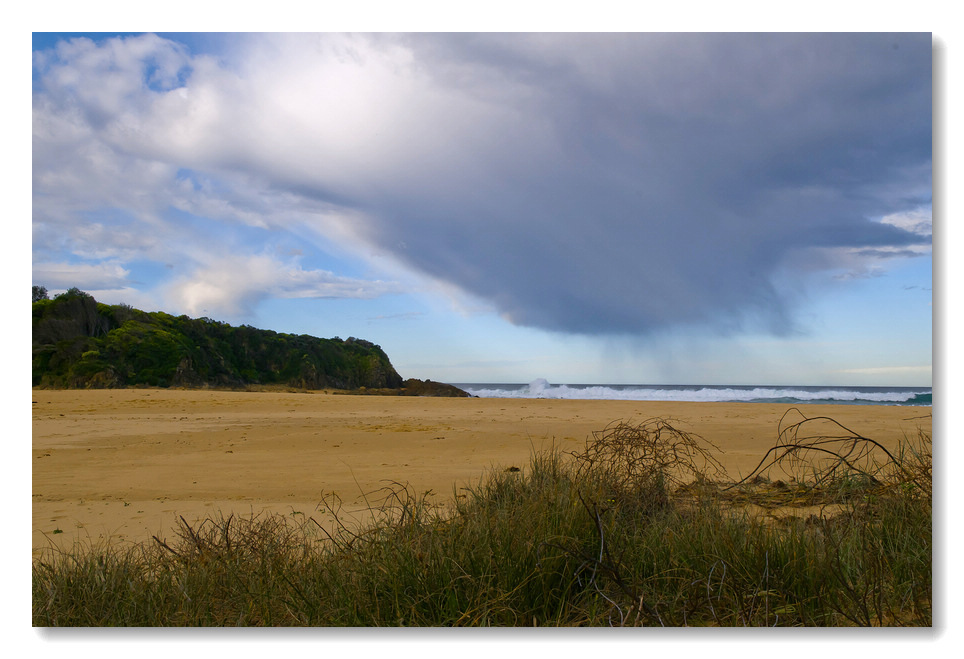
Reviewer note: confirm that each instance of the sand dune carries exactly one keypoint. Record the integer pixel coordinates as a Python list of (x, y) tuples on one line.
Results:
[(123, 464)]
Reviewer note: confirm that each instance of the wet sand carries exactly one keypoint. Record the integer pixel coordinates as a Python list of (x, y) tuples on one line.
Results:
[(122, 465)]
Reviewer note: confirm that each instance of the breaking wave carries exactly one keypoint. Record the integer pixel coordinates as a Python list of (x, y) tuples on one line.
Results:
[(541, 388)]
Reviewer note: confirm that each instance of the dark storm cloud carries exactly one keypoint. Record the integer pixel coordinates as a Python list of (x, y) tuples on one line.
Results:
[(665, 179), (600, 183)]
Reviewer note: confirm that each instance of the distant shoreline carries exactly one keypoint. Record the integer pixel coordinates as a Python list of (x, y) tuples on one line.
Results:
[(412, 387)]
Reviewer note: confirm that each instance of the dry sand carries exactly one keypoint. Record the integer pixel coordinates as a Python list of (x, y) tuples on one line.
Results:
[(123, 464)]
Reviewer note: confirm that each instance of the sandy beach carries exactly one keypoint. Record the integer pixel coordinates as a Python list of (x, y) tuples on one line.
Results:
[(122, 465)]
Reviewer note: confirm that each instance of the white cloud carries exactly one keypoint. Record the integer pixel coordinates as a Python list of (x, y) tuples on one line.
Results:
[(114, 152), (896, 371), (917, 221), (885, 376), (85, 276), (233, 285)]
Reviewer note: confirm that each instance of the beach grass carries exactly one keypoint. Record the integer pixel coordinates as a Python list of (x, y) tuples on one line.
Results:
[(642, 527)]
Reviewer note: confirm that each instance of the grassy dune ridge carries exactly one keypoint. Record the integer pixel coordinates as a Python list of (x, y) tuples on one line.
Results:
[(641, 526)]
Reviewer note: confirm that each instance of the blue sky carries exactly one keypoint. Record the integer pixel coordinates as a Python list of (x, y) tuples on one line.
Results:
[(585, 208)]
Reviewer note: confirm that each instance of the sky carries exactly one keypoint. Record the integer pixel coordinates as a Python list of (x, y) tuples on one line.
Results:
[(661, 208)]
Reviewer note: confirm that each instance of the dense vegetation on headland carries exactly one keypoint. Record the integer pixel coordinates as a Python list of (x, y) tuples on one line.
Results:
[(640, 528), (81, 343)]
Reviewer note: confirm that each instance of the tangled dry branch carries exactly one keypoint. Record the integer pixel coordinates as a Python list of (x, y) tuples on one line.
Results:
[(820, 450), (645, 462)]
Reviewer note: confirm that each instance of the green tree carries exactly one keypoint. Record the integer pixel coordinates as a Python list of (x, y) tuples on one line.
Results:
[(79, 342)]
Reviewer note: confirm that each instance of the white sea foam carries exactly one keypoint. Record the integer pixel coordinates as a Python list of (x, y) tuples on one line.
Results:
[(541, 388)]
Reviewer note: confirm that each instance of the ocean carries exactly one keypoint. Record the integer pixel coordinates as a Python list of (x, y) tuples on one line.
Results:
[(792, 394)]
